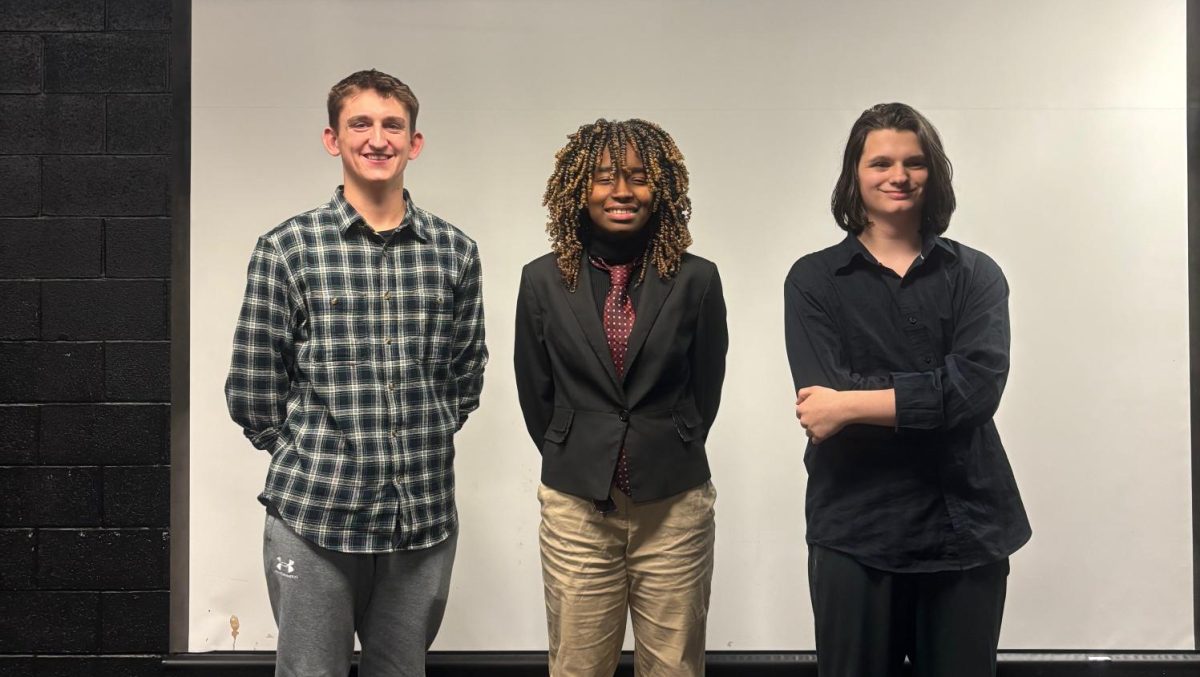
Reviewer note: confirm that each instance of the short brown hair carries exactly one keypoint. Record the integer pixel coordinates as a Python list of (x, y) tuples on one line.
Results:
[(385, 85), (847, 204)]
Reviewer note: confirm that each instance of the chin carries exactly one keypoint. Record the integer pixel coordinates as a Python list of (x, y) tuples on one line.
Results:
[(621, 232), (379, 178)]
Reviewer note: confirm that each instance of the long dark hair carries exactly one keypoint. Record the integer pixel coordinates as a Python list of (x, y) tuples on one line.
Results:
[(847, 203)]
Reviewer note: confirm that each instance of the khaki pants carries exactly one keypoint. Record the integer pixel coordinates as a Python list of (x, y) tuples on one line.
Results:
[(654, 559)]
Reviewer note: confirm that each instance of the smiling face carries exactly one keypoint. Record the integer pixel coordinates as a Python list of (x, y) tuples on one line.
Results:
[(621, 201), (892, 174), (374, 140)]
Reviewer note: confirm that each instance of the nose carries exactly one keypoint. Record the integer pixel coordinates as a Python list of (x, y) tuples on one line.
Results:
[(899, 175), (621, 188), (377, 138)]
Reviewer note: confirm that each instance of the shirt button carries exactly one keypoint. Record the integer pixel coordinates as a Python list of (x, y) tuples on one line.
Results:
[(439, 300), (391, 386), (387, 294), (387, 341), (912, 319), (333, 301), (928, 360), (624, 415), (395, 433)]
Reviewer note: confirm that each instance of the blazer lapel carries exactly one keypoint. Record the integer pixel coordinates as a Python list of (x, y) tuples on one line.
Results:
[(583, 303), (654, 293)]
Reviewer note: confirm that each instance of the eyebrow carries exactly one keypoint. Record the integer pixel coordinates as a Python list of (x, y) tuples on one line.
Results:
[(388, 119), (631, 170), (917, 156)]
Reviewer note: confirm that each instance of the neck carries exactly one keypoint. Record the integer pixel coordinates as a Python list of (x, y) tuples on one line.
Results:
[(617, 250), (886, 238), (382, 206)]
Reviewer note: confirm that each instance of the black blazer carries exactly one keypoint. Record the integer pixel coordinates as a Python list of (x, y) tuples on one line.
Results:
[(577, 411)]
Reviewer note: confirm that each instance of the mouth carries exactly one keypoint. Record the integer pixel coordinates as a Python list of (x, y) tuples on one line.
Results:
[(898, 194), (377, 157), (621, 213)]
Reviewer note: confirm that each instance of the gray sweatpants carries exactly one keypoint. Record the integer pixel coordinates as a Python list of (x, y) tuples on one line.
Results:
[(320, 598)]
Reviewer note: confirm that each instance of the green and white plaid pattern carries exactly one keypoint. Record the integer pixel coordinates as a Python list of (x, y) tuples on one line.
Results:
[(355, 360)]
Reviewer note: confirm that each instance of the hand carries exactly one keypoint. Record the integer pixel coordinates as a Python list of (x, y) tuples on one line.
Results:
[(821, 412)]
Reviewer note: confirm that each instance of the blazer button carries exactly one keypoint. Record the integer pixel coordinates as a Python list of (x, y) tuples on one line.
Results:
[(624, 415)]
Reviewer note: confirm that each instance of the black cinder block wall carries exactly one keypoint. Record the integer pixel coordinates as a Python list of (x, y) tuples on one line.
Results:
[(85, 153)]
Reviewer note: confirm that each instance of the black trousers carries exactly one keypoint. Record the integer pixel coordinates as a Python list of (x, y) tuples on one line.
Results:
[(947, 623)]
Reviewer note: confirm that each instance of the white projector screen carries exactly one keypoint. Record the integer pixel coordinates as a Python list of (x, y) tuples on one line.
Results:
[(1066, 125)]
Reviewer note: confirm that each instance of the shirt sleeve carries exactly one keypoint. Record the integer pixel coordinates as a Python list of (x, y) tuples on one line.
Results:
[(531, 362), (965, 389), (815, 346), (469, 352), (258, 383), (709, 347)]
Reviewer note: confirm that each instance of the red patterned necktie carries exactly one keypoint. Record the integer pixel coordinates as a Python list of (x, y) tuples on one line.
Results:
[(618, 322)]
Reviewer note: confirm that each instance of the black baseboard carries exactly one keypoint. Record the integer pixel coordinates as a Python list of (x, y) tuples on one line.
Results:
[(719, 664)]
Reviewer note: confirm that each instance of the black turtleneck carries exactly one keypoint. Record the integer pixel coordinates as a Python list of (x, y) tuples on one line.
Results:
[(614, 251)]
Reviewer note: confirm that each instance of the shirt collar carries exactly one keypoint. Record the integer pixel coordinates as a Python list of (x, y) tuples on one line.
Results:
[(345, 215), (851, 250)]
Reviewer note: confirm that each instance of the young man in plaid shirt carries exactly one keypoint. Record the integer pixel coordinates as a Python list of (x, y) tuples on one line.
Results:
[(359, 352)]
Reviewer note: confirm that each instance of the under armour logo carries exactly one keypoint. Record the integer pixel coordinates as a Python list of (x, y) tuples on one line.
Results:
[(285, 567)]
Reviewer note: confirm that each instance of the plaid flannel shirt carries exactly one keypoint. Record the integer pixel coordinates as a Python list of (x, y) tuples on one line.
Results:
[(355, 360)]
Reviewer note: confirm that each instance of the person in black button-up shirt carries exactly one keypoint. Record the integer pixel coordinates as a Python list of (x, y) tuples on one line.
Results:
[(898, 343)]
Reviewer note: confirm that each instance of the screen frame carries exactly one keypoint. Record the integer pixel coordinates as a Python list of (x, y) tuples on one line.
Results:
[(181, 660)]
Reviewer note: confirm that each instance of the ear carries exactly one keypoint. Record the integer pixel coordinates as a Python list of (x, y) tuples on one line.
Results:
[(329, 140), (415, 146)]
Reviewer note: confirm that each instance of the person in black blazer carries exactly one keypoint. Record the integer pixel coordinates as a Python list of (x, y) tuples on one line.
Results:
[(620, 356)]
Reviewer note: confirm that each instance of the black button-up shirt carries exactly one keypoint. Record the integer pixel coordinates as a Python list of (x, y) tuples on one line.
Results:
[(935, 493)]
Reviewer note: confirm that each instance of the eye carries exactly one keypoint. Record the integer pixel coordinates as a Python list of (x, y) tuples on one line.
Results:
[(603, 179), (639, 181)]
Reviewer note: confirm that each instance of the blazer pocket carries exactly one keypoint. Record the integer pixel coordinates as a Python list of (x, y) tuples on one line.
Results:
[(687, 424), (560, 426)]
